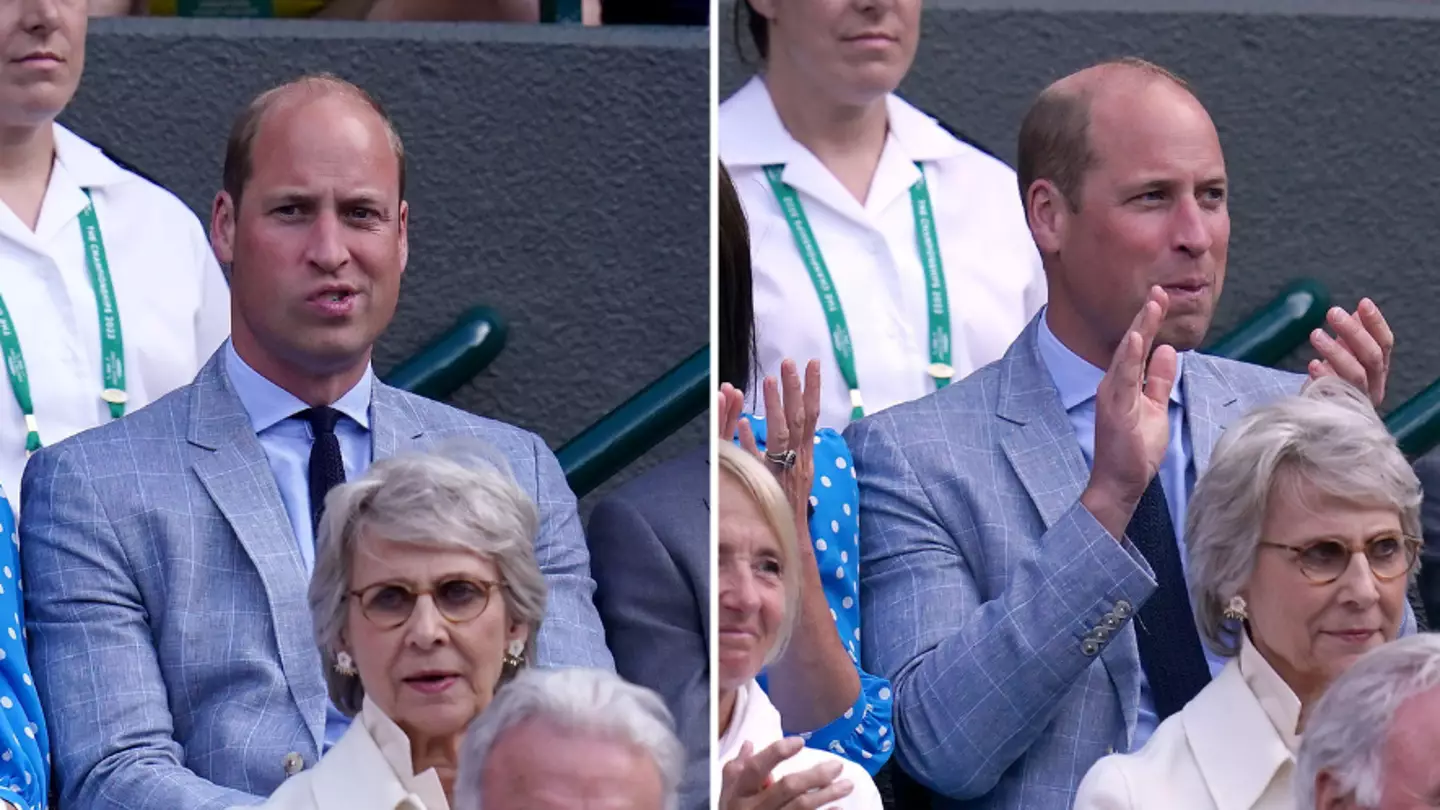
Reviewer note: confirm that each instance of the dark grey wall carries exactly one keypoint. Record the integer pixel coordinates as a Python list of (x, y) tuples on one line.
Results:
[(1327, 110), (558, 174)]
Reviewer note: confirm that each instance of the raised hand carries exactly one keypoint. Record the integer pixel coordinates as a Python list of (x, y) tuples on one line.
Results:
[(1360, 351), (729, 404), (745, 782), (791, 418), (1132, 419)]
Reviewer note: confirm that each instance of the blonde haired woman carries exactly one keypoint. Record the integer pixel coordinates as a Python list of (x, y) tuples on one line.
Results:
[(759, 581)]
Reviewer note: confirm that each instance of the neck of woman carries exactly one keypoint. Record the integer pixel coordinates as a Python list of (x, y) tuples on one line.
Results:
[(847, 138), (27, 155), (727, 709), (442, 754)]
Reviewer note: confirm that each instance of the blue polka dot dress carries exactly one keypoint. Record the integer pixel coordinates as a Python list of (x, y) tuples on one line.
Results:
[(24, 743), (863, 733)]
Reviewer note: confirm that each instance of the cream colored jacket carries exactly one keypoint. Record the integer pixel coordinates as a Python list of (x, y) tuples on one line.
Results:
[(368, 769), (1231, 748)]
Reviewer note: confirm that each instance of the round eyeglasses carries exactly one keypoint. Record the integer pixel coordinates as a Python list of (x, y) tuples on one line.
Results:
[(1324, 561), (389, 604)]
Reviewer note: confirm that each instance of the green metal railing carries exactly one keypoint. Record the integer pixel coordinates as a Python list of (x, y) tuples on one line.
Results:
[(561, 11), (454, 358), (1416, 423), (637, 425), (1273, 331)]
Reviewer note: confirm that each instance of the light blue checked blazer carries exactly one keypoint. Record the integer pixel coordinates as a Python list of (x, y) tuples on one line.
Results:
[(981, 576), (170, 634)]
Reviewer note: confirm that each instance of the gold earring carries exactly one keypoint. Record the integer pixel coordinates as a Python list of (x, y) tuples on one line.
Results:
[(344, 664), (1236, 611), (514, 660)]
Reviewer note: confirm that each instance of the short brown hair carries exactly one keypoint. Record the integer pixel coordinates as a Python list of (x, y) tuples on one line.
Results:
[(1055, 135), (239, 157)]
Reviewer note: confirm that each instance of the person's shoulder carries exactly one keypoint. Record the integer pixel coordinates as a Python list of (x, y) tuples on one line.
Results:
[(1144, 778), (440, 421), (966, 405), (133, 190), (1261, 382), (688, 472)]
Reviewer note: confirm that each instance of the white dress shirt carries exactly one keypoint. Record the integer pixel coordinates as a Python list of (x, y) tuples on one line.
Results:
[(173, 301), (993, 277)]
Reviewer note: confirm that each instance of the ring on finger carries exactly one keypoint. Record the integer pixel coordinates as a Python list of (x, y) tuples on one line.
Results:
[(785, 459)]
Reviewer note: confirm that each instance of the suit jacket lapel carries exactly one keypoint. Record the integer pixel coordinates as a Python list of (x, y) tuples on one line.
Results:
[(1048, 461), (1210, 405), (237, 475), (356, 774), (393, 424), (1041, 446), (1236, 747)]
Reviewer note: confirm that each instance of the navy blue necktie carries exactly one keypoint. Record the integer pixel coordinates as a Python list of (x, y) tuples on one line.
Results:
[(1170, 651), (327, 468)]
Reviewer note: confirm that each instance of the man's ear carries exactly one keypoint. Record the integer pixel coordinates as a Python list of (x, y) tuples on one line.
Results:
[(222, 228), (404, 235), (1048, 213), (1329, 796), (765, 8)]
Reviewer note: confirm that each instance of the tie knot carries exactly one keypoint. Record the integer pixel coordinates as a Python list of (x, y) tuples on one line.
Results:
[(322, 420)]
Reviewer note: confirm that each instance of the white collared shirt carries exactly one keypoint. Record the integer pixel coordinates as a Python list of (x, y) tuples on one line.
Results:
[(993, 276), (173, 301)]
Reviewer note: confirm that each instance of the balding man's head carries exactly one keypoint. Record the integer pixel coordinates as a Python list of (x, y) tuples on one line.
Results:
[(1055, 135), (239, 150), (1124, 187)]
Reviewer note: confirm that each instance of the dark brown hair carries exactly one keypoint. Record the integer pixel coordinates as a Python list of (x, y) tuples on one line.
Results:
[(736, 310), (239, 157)]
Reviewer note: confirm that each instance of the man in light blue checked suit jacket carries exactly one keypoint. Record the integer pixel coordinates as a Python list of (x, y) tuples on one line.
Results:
[(998, 576), (167, 554)]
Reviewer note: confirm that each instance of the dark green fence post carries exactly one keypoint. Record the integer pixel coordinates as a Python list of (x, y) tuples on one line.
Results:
[(561, 11), (454, 358), (1416, 424), (640, 423), (1273, 331)]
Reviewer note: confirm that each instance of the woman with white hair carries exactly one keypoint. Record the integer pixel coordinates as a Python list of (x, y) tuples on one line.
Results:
[(759, 581), (1301, 536), (559, 739), (1373, 738), (426, 597)]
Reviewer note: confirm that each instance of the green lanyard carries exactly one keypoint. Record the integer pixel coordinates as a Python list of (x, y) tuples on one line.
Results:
[(937, 300), (112, 346)]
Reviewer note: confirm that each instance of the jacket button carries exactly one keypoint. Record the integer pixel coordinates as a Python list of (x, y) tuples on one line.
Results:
[(1090, 646), (1102, 634), (1122, 609), (294, 763)]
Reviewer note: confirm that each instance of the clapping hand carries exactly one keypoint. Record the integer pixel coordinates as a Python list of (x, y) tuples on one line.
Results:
[(745, 782), (1132, 419), (1360, 351)]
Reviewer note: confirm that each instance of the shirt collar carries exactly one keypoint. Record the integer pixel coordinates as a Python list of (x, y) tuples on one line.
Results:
[(268, 404), (751, 133), (1276, 698), (394, 745), (86, 165), (1075, 378)]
